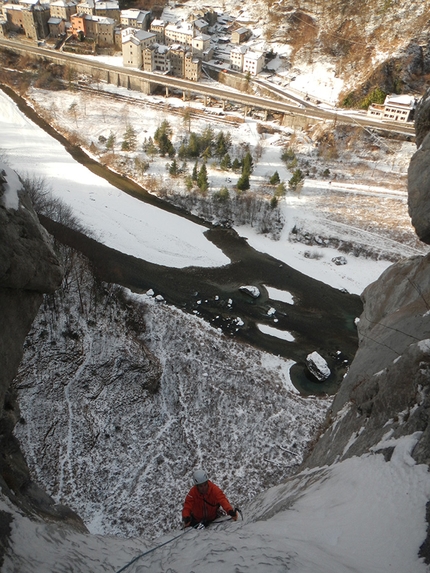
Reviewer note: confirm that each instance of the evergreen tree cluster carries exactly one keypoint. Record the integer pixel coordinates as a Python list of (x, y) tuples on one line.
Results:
[(205, 145)]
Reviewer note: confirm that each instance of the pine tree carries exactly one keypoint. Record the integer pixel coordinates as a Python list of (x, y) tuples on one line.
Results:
[(225, 162), (202, 178), (173, 168), (194, 173), (274, 180), (243, 182), (130, 139), (110, 143)]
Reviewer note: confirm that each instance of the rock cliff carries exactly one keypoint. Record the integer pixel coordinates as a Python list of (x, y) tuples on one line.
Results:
[(28, 268), (386, 391)]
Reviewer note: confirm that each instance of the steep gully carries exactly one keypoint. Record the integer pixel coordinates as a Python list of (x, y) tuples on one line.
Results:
[(322, 318)]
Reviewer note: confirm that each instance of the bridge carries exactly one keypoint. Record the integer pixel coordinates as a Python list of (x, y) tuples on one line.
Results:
[(147, 82)]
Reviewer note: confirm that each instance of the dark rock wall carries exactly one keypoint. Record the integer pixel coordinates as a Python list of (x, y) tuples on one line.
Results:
[(28, 268)]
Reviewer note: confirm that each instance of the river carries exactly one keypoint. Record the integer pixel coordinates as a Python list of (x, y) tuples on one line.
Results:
[(321, 318)]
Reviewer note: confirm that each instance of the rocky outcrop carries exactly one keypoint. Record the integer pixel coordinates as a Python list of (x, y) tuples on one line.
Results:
[(387, 389), (28, 268), (419, 174)]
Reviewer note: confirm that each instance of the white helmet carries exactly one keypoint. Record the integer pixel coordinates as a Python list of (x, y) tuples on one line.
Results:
[(199, 476)]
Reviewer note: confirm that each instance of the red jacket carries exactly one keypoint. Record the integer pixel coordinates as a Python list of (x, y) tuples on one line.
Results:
[(204, 507)]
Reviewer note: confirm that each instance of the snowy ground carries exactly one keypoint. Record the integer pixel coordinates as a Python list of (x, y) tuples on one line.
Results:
[(143, 231)]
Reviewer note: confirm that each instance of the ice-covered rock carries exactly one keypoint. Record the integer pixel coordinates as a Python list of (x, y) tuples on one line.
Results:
[(253, 291), (317, 366)]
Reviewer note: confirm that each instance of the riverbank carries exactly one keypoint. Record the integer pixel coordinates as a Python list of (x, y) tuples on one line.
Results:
[(321, 318)]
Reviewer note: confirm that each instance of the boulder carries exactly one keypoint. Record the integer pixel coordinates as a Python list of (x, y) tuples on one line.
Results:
[(252, 291), (317, 366)]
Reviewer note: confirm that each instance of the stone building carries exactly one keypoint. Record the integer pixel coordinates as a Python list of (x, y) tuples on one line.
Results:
[(156, 58), (240, 35), (35, 18), (108, 10), (98, 28), (179, 33), (159, 28), (135, 18), (134, 42), (236, 58), (63, 9), (57, 27), (201, 45)]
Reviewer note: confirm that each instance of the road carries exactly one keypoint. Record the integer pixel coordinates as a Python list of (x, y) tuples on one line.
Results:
[(224, 94)]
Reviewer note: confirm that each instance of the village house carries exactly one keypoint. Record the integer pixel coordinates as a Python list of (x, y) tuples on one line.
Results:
[(159, 28), (86, 7), (193, 67), (135, 18), (395, 108), (177, 60), (201, 26), (108, 10), (35, 18), (13, 16), (134, 42), (98, 28), (209, 16), (57, 27), (63, 9), (179, 33), (236, 58), (240, 35), (253, 62), (201, 45), (156, 58)]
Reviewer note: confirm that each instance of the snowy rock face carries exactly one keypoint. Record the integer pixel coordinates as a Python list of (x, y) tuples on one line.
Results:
[(387, 389), (122, 397), (419, 173), (28, 267)]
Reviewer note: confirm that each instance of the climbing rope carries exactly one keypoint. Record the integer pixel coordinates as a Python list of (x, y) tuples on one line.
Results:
[(153, 549), (198, 526)]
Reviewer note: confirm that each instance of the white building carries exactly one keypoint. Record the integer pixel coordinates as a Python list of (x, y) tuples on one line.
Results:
[(236, 58), (395, 108), (253, 63)]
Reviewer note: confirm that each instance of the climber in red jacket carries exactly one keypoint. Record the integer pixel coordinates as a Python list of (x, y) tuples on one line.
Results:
[(203, 500)]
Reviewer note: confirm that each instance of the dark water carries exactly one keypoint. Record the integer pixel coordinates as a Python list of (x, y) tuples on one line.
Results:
[(321, 319)]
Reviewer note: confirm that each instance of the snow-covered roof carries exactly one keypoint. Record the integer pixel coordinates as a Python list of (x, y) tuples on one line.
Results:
[(64, 3), (239, 50), (242, 30), (183, 27), (253, 55), (106, 6), (55, 21), (402, 100)]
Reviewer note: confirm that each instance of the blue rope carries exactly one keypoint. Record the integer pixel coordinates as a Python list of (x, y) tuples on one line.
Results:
[(153, 549)]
